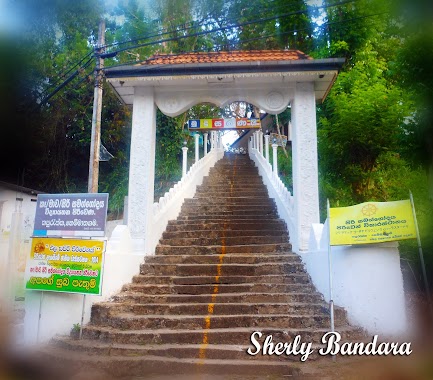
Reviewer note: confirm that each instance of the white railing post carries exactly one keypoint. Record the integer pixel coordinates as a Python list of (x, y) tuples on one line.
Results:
[(275, 159), (212, 140), (184, 160), (205, 143), (267, 147), (196, 137), (261, 142)]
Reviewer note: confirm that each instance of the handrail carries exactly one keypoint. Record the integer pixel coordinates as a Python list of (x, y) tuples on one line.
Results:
[(277, 190), (168, 207)]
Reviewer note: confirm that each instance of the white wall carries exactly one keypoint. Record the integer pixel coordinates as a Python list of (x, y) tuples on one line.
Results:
[(367, 281), (14, 242)]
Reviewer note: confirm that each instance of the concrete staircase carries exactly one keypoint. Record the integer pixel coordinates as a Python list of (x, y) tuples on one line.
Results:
[(222, 270)]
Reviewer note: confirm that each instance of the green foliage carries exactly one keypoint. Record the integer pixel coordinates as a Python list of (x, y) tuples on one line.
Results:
[(362, 119)]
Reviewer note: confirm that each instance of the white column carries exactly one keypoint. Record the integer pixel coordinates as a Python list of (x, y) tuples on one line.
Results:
[(197, 155), (205, 143), (142, 168), (275, 159), (267, 147), (184, 160), (261, 142), (304, 162)]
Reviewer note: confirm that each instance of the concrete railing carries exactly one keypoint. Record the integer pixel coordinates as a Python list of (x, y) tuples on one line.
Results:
[(168, 207), (276, 188)]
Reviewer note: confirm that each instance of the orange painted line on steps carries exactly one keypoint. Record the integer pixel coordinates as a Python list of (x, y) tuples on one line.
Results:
[(211, 305)]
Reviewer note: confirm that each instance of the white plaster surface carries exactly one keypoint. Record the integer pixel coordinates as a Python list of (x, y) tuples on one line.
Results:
[(270, 97), (304, 161), (142, 167), (367, 282)]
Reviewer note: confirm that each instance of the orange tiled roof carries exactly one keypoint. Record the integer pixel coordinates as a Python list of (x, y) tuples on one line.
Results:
[(226, 56)]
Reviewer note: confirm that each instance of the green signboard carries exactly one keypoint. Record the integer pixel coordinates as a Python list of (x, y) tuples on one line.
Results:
[(65, 265)]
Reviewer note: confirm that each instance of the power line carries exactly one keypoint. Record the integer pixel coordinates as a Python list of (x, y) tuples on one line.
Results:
[(62, 74), (198, 24), (322, 26), (233, 26), (68, 80)]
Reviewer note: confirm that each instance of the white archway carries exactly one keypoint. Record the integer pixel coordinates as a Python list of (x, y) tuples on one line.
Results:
[(271, 80)]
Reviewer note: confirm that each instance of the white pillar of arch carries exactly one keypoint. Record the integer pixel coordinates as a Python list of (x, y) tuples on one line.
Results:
[(142, 168), (304, 162), (205, 143)]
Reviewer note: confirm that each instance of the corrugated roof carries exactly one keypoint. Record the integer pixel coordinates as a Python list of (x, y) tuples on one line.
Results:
[(226, 56)]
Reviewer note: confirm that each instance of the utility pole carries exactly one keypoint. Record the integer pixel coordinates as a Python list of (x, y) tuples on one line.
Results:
[(95, 142)]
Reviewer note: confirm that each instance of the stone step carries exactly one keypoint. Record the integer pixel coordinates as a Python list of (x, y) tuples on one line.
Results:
[(227, 217), (273, 224), (294, 278), (229, 214), (239, 335), (221, 288), (204, 193), (232, 183), (102, 311), (219, 233), (218, 249), (230, 201), (227, 259), (131, 321), (236, 190), (193, 351), (221, 269), (152, 366), (139, 297), (226, 240), (222, 208)]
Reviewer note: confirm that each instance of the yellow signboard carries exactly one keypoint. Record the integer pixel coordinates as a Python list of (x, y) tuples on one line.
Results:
[(372, 222), (65, 265)]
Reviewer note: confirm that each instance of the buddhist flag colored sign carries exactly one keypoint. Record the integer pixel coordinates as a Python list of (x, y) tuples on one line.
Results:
[(65, 265), (372, 222), (217, 124)]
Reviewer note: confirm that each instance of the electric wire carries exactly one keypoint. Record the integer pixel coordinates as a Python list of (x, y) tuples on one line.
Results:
[(44, 100), (236, 43), (233, 26), (189, 36)]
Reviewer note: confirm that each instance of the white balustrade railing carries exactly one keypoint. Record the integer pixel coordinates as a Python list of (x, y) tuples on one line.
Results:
[(168, 207), (276, 188)]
